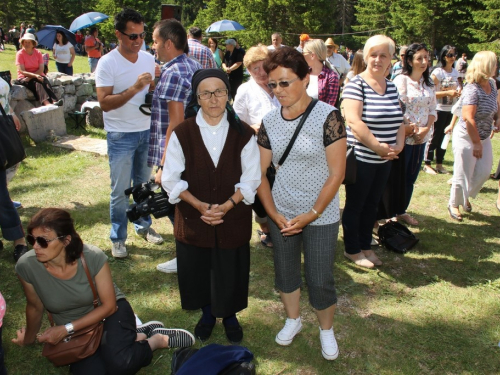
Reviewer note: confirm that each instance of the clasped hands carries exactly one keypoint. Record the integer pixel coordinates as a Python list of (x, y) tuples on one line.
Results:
[(52, 335), (212, 214), (388, 152), (294, 225)]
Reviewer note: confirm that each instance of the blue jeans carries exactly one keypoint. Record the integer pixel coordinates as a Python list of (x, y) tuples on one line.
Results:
[(414, 155), (361, 205), (93, 63), (64, 68), (9, 218), (128, 154)]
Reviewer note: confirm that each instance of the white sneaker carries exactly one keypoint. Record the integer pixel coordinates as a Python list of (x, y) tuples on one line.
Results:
[(119, 250), (168, 267), (291, 328), (152, 237), (329, 347)]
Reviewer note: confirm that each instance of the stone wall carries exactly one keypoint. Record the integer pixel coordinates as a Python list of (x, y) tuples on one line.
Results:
[(75, 90)]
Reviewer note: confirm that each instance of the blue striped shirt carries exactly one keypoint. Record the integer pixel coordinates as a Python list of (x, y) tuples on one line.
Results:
[(381, 113)]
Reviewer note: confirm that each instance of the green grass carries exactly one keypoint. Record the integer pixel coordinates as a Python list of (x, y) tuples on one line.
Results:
[(433, 311), (8, 61)]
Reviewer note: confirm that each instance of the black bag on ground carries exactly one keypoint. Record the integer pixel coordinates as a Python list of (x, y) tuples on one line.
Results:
[(396, 237), (11, 146), (213, 359), (6, 76)]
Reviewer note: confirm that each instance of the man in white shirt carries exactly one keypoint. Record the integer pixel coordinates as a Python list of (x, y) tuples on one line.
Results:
[(340, 65), (123, 78), (276, 40)]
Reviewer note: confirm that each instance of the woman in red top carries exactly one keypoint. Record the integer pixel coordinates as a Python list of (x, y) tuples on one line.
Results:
[(30, 67)]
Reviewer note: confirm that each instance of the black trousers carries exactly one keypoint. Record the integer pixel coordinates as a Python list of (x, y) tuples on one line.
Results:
[(434, 145), (119, 353), (496, 175), (217, 277)]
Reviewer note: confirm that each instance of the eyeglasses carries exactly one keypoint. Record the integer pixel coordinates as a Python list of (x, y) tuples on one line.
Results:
[(208, 94), (134, 36), (283, 84), (450, 55), (43, 242)]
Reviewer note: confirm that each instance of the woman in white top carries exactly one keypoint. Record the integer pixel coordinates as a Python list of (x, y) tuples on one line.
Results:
[(253, 100), (303, 204), (418, 98), (448, 90), (64, 54)]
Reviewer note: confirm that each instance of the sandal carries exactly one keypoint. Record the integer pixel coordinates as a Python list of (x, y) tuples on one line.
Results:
[(407, 219), (265, 238), (467, 207), (362, 261), (442, 170), (454, 216)]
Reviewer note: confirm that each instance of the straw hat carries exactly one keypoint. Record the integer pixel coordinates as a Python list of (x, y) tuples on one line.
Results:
[(28, 36), (329, 42)]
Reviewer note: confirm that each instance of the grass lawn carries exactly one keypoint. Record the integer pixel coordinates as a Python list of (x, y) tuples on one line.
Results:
[(435, 310)]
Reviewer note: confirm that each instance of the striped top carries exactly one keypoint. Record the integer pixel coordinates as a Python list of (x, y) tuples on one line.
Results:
[(381, 113)]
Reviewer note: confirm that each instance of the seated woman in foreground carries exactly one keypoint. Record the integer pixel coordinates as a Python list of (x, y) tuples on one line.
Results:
[(53, 278), (30, 72)]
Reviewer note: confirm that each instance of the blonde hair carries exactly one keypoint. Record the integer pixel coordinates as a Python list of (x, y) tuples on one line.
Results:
[(255, 54), (378, 40), (482, 67), (318, 47)]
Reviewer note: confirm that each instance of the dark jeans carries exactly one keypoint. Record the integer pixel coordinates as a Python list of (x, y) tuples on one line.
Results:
[(3, 370), (443, 120), (9, 218), (361, 205), (64, 68), (414, 155), (119, 353)]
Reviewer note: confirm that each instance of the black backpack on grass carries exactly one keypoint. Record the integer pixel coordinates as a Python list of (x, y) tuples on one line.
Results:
[(396, 237), (183, 355)]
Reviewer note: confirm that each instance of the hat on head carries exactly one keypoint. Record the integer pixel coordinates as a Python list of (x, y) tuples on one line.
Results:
[(304, 37), (28, 36), (230, 41), (329, 42)]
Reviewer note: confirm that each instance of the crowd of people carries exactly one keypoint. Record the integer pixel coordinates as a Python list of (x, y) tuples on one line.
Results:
[(214, 142)]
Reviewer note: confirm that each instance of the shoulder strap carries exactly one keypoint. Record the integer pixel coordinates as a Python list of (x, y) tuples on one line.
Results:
[(3, 110), (297, 130), (95, 302)]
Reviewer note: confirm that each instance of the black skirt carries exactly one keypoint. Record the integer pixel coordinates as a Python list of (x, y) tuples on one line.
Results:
[(393, 200), (212, 276)]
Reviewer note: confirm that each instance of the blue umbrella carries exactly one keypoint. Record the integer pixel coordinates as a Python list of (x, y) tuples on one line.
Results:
[(86, 20), (224, 25), (47, 35)]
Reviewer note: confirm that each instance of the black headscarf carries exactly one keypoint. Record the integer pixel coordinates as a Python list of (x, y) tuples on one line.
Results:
[(193, 106)]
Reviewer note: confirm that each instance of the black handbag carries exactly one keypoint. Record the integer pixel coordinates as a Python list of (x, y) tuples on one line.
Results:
[(271, 170), (396, 237), (11, 146), (350, 166)]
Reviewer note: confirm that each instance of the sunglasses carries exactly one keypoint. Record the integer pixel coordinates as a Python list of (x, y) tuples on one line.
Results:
[(134, 36), (283, 84), (43, 242), (450, 55)]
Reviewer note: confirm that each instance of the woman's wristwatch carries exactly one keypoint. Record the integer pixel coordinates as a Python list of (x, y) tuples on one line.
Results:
[(69, 328)]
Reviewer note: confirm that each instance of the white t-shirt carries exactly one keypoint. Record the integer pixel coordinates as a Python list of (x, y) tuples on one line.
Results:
[(4, 95), (312, 88), (341, 66), (252, 102), (116, 71), (63, 54), (446, 81)]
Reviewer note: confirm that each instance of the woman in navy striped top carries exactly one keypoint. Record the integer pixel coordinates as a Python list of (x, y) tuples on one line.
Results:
[(374, 119)]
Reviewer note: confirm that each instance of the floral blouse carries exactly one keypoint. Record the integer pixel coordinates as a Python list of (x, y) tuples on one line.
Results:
[(419, 101)]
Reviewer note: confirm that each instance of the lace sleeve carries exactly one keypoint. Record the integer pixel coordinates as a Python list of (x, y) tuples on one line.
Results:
[(262, 138), (333, 128)]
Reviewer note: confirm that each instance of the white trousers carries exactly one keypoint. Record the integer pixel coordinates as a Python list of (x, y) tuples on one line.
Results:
[(469, 173)]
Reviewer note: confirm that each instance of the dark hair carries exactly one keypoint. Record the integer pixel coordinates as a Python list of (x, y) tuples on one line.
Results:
[(287, 57), (126, 15), (442, 55), (173, 30), (93, 30), (213, 40), (195, 31), (407, 68), (60, 222), (64, 37)]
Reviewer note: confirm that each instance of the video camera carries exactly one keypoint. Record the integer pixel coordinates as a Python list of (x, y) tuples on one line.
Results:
[(147, 202)]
